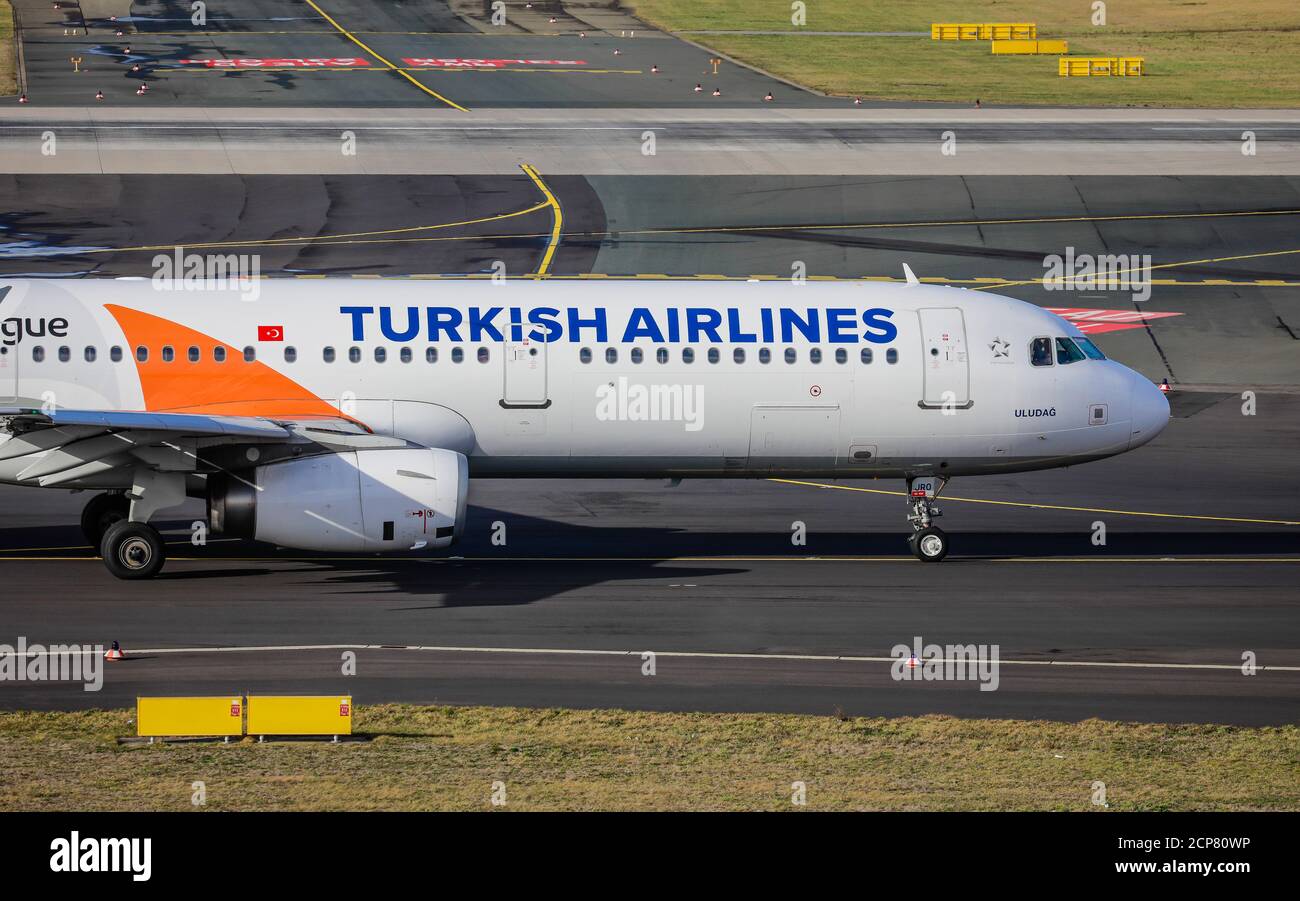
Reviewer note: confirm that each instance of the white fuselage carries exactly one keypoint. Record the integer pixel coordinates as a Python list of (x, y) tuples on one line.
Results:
[(597, 378)]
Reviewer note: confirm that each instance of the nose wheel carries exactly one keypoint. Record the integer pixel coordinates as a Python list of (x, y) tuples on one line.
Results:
[(929, 545), (928, 542)]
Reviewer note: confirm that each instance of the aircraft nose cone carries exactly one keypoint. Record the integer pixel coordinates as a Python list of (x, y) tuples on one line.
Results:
[(1150, 411)]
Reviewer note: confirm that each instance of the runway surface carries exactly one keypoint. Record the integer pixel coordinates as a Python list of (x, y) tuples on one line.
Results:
[(776, 140), (1199, 568)]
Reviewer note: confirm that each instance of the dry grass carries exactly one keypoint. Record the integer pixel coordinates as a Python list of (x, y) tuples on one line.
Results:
[(8, 50), (1198, 52), (446, 758)]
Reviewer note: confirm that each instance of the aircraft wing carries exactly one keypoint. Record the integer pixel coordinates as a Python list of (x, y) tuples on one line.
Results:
[(75, 448), (19, 421)]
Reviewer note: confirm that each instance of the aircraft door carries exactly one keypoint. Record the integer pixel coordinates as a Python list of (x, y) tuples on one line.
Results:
[(524, 383), (8, 372), (947, 364)]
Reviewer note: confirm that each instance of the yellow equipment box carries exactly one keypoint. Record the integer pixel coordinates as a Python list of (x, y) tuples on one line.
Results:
[(1083, 66), (189, 717), (983, 31), (1031, 47), (284, 715)]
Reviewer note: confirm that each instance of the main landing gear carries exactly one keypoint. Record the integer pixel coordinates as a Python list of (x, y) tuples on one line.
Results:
[(118, 523), (928, 542)]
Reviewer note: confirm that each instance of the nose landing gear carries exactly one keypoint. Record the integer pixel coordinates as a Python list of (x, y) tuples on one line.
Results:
[(928, 542)]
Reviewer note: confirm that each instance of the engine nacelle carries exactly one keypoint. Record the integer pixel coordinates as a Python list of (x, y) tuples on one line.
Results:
[(366, 500)]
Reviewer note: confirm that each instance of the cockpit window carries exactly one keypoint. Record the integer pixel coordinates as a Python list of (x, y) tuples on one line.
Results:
[(1040, 352), (1066, 352), (1090, 349)]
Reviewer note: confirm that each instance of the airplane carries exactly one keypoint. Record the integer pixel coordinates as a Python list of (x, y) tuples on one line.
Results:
[(349, 416)]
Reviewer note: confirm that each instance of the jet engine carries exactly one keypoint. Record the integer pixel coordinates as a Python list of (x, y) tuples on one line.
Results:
[(368, 500)]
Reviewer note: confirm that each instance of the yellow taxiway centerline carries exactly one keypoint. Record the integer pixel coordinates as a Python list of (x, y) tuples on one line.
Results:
[(557, 222), (976, 500), (354, 39)]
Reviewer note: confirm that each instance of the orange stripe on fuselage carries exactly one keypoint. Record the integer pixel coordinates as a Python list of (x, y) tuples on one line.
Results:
[(232, 388)]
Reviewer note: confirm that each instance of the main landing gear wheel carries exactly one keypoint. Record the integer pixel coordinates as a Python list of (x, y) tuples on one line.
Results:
[(103, 511), (133, 550), (930, 545)]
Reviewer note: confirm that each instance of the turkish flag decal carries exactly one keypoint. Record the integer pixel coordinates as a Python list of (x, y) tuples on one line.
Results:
[(270, 333)]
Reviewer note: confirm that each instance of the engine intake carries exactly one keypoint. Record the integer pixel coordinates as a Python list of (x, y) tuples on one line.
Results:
[(365, 500)]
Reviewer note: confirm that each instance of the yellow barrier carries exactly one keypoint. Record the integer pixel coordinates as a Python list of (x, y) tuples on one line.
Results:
[(282, 715), (983, 31), (1031, 47), (185, 717), (1081, 66)]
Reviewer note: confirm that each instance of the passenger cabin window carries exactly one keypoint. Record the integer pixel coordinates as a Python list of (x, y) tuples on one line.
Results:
[(457, 354), (65, 354), (38, 354), (866, 355), (891, 356), (611, 355), (405, 354), (168, 353), (738, 355), (790, 355), (815, 355), (250, 354), (115, 354), (90, 354), (1066, 352), (381, 354), (354, 355), (483, 355), (688, 355), (219, 354), (192, 354), (431, 355), (327, 355), (584, 355), (714, 355), (661, 355), (1040, 352), (142, 354), (764, 355), (290, 354), (637, 355), (841, 355)]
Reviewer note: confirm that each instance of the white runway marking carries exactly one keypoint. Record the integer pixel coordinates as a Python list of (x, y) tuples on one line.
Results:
[(710, 655)]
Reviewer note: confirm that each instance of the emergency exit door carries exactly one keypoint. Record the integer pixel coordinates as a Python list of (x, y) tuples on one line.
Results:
[(946, 362), (525, 375)]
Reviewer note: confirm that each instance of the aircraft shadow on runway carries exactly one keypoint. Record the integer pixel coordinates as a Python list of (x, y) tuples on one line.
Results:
[(538, 537)]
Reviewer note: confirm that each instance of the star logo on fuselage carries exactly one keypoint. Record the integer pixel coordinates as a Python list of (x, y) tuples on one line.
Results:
[(1001, 349)]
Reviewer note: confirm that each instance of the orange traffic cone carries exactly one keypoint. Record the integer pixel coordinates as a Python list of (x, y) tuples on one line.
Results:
[(1164, 385), (114, 653)]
